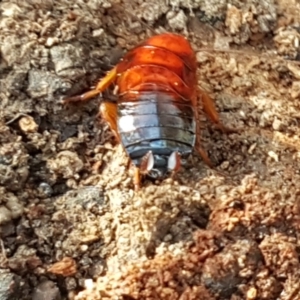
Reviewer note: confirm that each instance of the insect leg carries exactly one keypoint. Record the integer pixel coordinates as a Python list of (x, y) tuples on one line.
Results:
[(100, 87), (211, 111), (203, 154), (137, 179), (108, 112), (198, 147)]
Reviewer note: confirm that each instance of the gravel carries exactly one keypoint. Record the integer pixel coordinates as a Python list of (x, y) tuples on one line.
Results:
[(71, 225)]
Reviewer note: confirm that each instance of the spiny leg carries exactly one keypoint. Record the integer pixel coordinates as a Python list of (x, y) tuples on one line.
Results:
[(211, 111), (205, 157), (103, 84), (108, 112), (198, 147), (137, 179), (203, 154)]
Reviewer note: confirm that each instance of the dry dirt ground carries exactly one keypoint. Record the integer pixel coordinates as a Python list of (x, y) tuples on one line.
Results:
[(71, 225)]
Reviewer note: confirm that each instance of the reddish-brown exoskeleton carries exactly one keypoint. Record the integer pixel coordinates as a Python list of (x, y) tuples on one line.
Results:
[(155, 116)]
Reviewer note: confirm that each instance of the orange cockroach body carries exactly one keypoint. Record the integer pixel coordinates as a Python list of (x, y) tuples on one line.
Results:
[(155, 117)]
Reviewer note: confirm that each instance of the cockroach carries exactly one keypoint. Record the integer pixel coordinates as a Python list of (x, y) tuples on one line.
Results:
[(155, 116)]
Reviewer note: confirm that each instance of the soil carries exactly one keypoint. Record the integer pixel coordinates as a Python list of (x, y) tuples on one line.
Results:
[(72, 226)]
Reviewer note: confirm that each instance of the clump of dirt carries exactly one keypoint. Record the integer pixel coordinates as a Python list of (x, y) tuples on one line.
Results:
[(71, 225)]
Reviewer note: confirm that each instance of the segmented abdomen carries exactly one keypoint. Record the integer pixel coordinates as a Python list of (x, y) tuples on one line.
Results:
[(157, 123)]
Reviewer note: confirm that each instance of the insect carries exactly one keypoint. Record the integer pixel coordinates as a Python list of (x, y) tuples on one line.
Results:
[(155, 115)]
